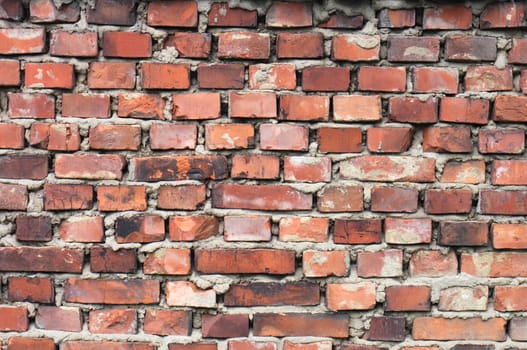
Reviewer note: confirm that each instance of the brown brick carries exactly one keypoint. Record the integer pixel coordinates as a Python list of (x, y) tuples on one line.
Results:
[(339, 140), (502, 202), (301, 324), (225, 325), (221, 76), (41, 259), (389, 140), (449, 201), (518, 328), (245, 261), (126, 45), (140, 229), (23, 166), (408, 298), (190, 45), (165, 76), (517, 53), (273, 294), (122, 198), (183, 197), (113, 261), (67, 197), (447, 139), (116, 12), (31, 289), (463, 233), (470, 48), (244, 45), (63, 43), (33, 228), (168, 322), (363, 231), (488, 78), (447, 17), (510, 108), (299, 45), (13, 197), (501, 141), (68, 319), (171, 168), (413, 49), (413, 110), (304, 108), (222, 15), (192, 228), (386, 328), (12, 9), (289, 15), (106, 291), (320, 78), (161, 13)]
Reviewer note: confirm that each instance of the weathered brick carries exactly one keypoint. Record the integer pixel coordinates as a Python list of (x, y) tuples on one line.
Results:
[(38, 106), (413, 49), (502, 202), (168, 322), (470, 171), (13, 197), (30, 289), (463, 233), (63, 137), (115, 137), (289, 15), (351, 296), (433, 263), (194, 346), (501, 141), (190, 45), (340, 198), (183, 197), (438, 328), (362, 231), (510, 298), (255, 166), (45, 11), (12, 10), (273, 294), (89, 166), (221, 76), (14, 41), (171, 168), (386, 263), (116, 12), (161, 13), (107, 291), (112, 321), (9, 73), (301, 324), (508, 172), (299, 45), (23, 166), (21, 343), (339, 140), (139, 229), (111, 75), (192, 228), (109, 345), (394, 199), (244, 45), (67, 197), (82, 229), (165, 76), (63, 43), (126, 45), (168, 261), (386, 328), (252, 105), (389, 169), (408, 298), (396, 18), (247, 228), (413, 110), (518, 328), (229, 136), (283, 137), (467, 48), (183, 293), (321, 78), (221, 15), (113, 261), (85, 106), (503, 15), (33, 228), (517, 52), (251, 345), (447, 17), (12, 136), (464, 110), (339, 20), (41, 259), (509, 236), (323, 264), (490, 264), (388, 139), (447, 140), (145, 106), (196, 106), (13, 318), (436, 80), (173, 136), (122, 198), (308, 169), (488, 78), (225, 325), (245, 261), (49, 75), (275, 76), (510, 108), (464, 298), (356, 47), (448, 201), (68, 319), (356, 108), (303, 229), (304, 108)]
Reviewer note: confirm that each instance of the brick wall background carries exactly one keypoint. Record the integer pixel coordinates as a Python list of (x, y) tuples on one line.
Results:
[(252, 175)]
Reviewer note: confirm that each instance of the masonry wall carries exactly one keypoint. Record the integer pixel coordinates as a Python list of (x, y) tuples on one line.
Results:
[(198, 175)]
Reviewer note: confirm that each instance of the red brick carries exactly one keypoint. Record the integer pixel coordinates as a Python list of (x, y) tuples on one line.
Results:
[(115, 137), (67, 197), (122, 198), (433, 263), (339, 20), (489, 264), (107, 345), (33, 228), (289, 15), (508, 172), (221, 76), (89, 166), (45, 11), (12, 136), (394, 199), (112, 12), (509, 236), (269, 294), (386, 263), (436, 80), (408, 298), (464, 298), (386, 328), (141, 106), (247, 228), (252, 105), (113, 261), (82, 229), (165, 76), (190, 45), (245, 261), (394, 79), (39, 135), (161, 14), (15, 41), (413, 110), (168, 322), (396, 18), (407, 231), (356, 47), (488, 78), (340, 199), (183, 197), (13, 318), (196, 106), (34, 290), (12, 10), (139, 229), (107, 291), (244, 45), (111, 75), (518, 328), (221, 15), (413, 49), (438, 328), (447, 140), (35, 106), (85, 106), (63, 137), (183, 293), (356, 108), (171, 168), (463, 233), (464, 110), (251, 345), (255, 166), (229, 136), (321, 78), (453, 201), (68, 319), (362, 231), (193, 346), (323, 264), (304, 108), (274, 76), (173, 136), (351, 296), (9, 73), (503, 15), (41, 259), (303, 229), (501, 141), (389, 140), (502, 202), (523, 81), (518, 50), (299, 45), (168, 261), (24, 166), (301, 324), (510, 298), (13, 197), (510, 109), (389, 169), (308, 169), (126, 45), (283, 137), (447, 17), (225, 325), (112, 321), (192, 228), (340, 140), (49, 75), (20, 343), (467, 48), (63, 43)]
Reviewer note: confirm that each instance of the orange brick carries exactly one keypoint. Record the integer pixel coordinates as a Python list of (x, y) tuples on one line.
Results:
[(356, 108), (323, 264), (168, 261), (303, 229), (229, 136), (351, 296), (196, 106), (304, 108), (276, 76)]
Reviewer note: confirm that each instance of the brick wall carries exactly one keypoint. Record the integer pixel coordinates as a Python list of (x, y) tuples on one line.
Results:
[(198, 175)]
